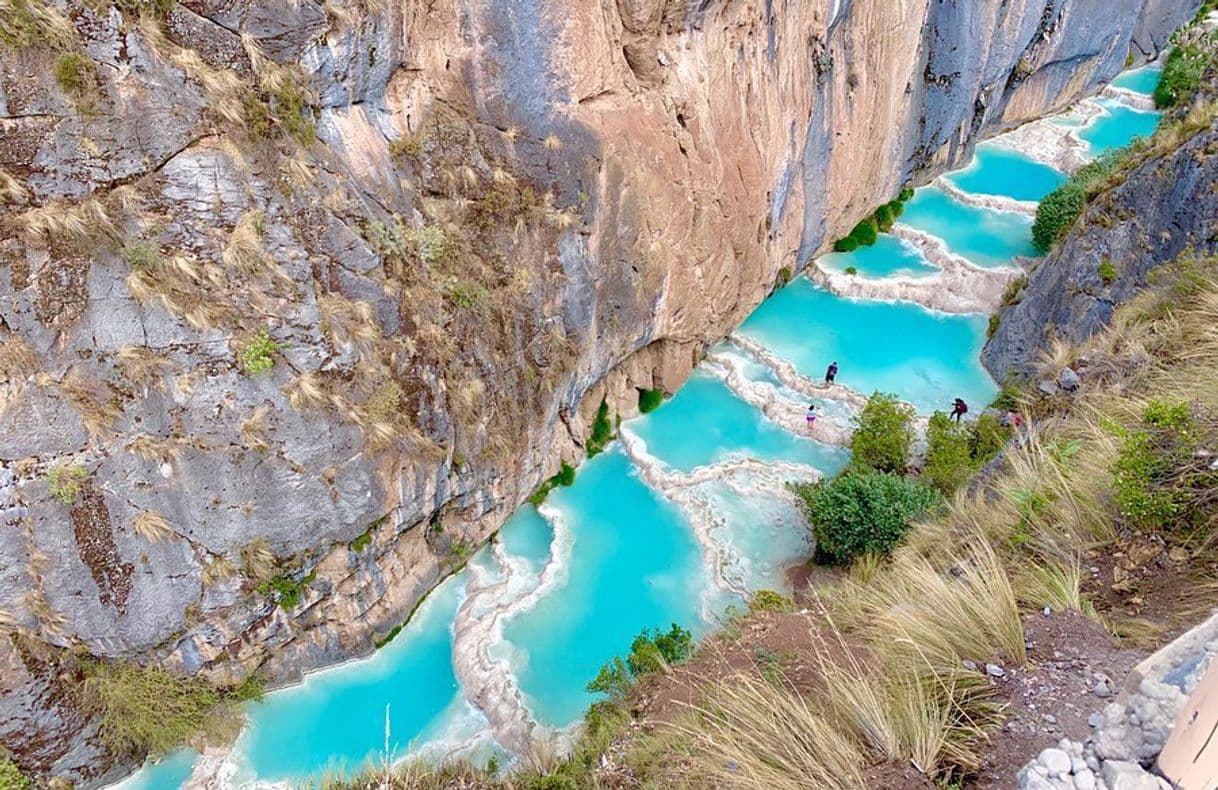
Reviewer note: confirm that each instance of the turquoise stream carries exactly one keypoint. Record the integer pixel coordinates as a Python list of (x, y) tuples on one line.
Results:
[(672, 525), (1117, 127)]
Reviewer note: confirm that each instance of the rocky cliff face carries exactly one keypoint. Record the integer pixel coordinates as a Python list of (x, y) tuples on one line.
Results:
[(1163, 207), (316, 293)]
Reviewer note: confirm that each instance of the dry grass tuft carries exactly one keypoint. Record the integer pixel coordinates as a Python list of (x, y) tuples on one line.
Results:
[(307, 392), (254, 429), (224, 89), (12, 190), (754, 733), (257, 559), (83, 225), (144, 367), (348, 322), (17, 359), (219, 568), (94, 400), (152, 526)]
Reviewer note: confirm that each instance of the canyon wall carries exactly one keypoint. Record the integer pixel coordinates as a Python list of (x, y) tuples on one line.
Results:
[(301, 300), (1162, 207)]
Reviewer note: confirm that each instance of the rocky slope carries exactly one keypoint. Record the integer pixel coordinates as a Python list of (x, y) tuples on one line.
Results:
[(1161, 206), (308, 297)]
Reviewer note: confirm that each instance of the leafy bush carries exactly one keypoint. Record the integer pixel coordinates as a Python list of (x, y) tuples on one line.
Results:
[(949, 459), (649, 652), (258, 356), (988, 437), (286, 588), (883, 434), (11, 777), (650, 400), (884, 217), (602, 431), (1107, 272), (63, 482), (468, 294), (770, 601), (141, 254), (866, 232), (565, 477), (906, 194), (1182, 73), (852, 270), (148, 709), (72, 72), (1144, 474), (656, 652), (1059, 210), (860, 513), (991, 328), (292, 110), (847, 244), (1014, 288)]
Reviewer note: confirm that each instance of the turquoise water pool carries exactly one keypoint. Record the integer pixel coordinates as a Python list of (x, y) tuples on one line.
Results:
[(996, 170), (336, 718), (1118, 127), (167, 774), (705, 423), (634, 563), (1143, 80), (985, 237), (888, 257), (926, 358)]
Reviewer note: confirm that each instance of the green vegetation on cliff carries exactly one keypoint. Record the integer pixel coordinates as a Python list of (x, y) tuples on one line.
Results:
[(867, 232)]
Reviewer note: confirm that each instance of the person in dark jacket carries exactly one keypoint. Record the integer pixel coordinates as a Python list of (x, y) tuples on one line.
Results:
[(959, 409), (831, 374)]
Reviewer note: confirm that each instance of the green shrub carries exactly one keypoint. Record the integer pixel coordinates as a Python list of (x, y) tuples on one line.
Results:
[(363, 540), (1144, 484), (1107, 272), (852, 270), (11, 777), (866, 232), (64, 482), (286, 589), (859, 513), (1014, 288), (770, 601), (141, 254), (1058, 211), (991, 328), (884, 217), (649, 652), (293, 112), (655, 652), (1182, 73), (258, 356), (650, 400), (468, 294), (73, 73), (785, 274), (906, 194), (602, 431), (565, 478), (883, 434), (148, 709), (987, 439), (949, 458), (848, 244)]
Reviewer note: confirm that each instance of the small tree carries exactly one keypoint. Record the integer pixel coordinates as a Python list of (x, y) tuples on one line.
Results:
[(860, 513), (949, 459), (883, 434)]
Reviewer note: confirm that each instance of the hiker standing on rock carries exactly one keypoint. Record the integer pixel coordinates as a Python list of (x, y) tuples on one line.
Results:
[(959, 409), (831, 374)]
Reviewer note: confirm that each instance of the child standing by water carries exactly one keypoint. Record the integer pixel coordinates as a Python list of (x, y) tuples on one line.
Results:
[(811, 415)]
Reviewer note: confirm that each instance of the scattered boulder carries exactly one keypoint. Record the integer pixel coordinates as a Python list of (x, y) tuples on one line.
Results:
[(1068, 380)]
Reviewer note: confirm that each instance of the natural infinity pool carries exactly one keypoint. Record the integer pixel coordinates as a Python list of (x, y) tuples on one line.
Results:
[(673, 522), (996, 170), (888, 257), (985, 237)]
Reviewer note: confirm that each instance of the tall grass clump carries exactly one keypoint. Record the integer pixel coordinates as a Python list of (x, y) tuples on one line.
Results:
[(150, 710)]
